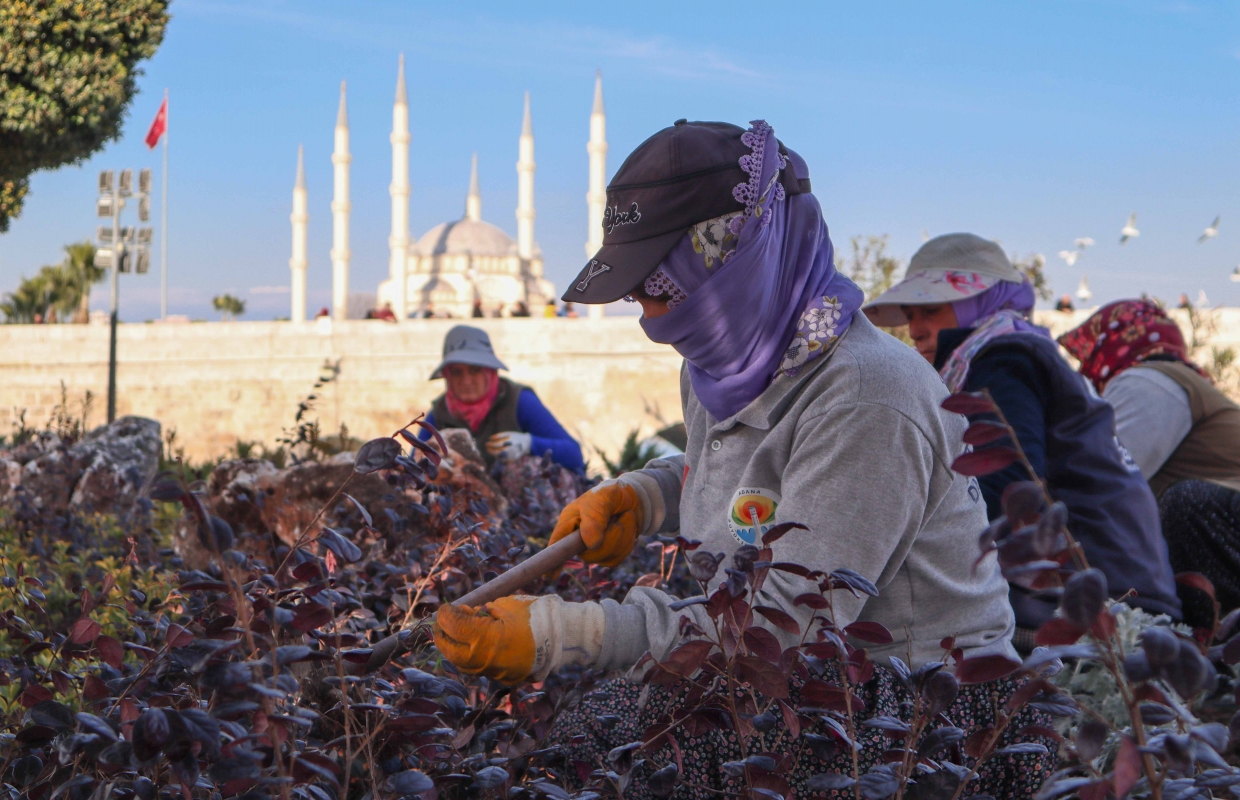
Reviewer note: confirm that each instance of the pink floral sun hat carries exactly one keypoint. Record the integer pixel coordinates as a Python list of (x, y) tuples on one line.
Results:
[(946, 268)]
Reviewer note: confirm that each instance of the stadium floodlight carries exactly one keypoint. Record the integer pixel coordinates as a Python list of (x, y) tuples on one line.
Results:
[(126, 184), (126, 261), (105, 181), (143, 260), (103, 258), (128, 234), (103, 234), (144, 208), (103, 207), (144, 181), (144, 236)]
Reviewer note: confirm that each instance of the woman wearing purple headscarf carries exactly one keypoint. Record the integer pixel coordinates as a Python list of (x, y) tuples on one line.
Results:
[(968, 309), (797, 410)]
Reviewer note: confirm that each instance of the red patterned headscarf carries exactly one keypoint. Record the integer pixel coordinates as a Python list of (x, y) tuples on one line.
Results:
[(1122, 334)]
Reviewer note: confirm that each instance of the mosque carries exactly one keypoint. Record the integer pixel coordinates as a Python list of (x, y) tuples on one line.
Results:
[(454, 264)]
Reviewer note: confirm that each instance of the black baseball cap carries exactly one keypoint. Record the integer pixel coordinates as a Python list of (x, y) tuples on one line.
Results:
[(675, 179)]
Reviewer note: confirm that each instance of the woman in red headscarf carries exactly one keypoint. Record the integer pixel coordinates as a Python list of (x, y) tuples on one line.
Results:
[(1183, 433)]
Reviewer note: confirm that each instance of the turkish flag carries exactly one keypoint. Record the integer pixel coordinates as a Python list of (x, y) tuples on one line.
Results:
[(159, 126)]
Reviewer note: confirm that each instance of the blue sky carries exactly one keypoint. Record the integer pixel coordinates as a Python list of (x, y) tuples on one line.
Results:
[(1030, 123)]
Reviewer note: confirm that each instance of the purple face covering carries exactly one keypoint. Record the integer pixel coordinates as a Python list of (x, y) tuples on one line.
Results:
[(1004, 294), (776, 293)]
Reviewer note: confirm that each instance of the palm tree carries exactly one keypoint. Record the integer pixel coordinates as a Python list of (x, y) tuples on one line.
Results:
[(79, 263)]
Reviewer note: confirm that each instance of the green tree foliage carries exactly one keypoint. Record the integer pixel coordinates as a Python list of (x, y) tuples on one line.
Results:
[(870, 266), (1033, 267), (56, 293), (68, 71), (228, 306)]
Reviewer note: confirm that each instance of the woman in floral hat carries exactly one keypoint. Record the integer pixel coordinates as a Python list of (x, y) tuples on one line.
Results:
[(1183, 433), (968, 309), (797, 410)]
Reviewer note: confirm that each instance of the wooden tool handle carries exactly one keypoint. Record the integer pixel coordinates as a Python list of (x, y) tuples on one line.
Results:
[(549, 558)]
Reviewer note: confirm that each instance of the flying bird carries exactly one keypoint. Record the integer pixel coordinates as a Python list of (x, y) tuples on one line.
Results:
[(1082, 292), (1129, 231), (1083, 242), (1235, 274), (1069, 256), (1210, 232)]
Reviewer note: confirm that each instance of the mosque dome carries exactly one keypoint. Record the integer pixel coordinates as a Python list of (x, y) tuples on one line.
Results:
[(466, 236)]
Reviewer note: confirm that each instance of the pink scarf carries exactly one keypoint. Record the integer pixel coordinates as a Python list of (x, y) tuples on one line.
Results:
[(476, 411)]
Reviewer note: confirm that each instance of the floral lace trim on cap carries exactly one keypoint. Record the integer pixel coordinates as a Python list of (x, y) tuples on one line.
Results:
[(714, 239), (817, 329), (748, 192), (659, 284)]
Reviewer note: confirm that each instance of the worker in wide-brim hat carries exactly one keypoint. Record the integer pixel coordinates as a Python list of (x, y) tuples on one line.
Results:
[(506, 419), (797, 409), (968, 311)]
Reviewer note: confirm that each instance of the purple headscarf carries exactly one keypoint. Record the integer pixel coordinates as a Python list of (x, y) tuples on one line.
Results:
[(773, 303), (1000, 310), (1004, 294)]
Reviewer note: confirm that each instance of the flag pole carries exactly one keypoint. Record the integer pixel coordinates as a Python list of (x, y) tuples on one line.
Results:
[(163, 223)]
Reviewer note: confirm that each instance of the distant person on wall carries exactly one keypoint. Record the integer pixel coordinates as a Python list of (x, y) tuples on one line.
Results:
[(1065, 304), (520, 309), (323, 312), (1183, 433), (477, 312), (386, 313), (549, 309), (506, 418), (968, 310), (569, 312)]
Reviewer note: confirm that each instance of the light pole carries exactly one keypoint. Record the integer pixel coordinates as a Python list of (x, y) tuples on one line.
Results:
[(121, 249)]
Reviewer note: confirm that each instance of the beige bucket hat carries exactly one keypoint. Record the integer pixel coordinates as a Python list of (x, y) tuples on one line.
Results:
[(946, 268)]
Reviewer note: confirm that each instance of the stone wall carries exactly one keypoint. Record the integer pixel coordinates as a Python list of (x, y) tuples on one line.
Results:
[(217, 382)]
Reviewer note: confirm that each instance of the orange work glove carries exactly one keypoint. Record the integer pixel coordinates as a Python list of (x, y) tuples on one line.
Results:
[(494, 640), (609, 517)]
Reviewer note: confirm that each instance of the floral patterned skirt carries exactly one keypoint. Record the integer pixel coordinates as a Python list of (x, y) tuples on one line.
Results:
[(617, 714)]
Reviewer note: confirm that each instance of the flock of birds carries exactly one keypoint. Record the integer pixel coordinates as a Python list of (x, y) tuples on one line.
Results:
[(1129, 231)]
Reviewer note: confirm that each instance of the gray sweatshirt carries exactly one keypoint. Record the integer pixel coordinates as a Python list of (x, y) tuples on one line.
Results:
[(856, 448)]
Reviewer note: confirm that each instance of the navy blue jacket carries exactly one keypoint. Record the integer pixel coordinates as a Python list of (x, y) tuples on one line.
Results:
[(547, 435), (1068, 434)]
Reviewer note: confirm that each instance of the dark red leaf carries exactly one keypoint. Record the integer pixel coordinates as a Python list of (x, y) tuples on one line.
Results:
[(763, 676), (779, 619), (687, 659), (1196, 580), (777, 532), (95, 689), (984, 462), (1127, 767), (1059, 631), (762, 643), (968, 403), (178, 636), (34, 694), (308, 616), (111, 651), (983, 432), (812, 600), (985, 668), (795, 569), (84, 631), (871, 632)]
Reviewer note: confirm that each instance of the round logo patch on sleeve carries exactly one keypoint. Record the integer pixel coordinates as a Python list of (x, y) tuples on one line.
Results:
[(751, 514)]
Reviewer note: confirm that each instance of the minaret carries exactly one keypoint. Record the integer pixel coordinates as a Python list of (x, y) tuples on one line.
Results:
[(398, 242), (340, 215), (525, 187), (596, 198), (297, 263), (473, 200)]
